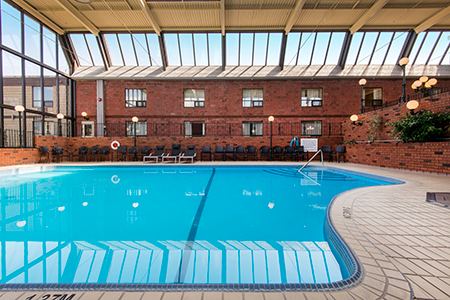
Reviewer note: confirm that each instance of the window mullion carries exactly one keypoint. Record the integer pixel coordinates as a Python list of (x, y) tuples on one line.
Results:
[(120, 48), (134, 48), (434, 48), (374, 48)]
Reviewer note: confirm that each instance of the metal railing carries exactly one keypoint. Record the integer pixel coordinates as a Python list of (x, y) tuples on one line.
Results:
[(11, 139)]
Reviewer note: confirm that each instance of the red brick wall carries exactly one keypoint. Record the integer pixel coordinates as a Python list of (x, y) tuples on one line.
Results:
[(18, 156)]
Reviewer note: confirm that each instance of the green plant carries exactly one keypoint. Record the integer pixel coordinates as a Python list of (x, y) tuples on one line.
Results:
[(374, 125), (424, 126), (351, 142)]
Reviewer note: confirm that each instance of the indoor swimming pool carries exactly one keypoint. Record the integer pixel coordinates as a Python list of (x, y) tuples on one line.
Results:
[(173, 225)]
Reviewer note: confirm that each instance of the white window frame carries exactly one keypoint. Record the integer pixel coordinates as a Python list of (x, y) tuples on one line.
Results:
[(83, 128), (188, 128), (252, 128), (140, 126), (312, 101), (194, 97), (135, 98), (309, 128), (252, 97)]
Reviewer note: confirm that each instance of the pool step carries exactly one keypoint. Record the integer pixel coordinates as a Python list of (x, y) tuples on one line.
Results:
[(316, 174)]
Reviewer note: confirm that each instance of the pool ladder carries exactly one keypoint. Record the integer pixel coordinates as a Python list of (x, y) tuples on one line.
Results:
[(321, 159)]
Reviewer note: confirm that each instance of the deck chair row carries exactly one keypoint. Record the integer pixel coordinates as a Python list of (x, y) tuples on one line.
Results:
[(226, 152), (175, 153)]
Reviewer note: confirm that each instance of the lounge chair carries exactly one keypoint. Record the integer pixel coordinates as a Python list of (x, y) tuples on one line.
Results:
[(290, 153), (189, 154), (326, 150), (219, 151), (159, 153), (278, 152), (240, 151), (301, 152), (58, 152), (132, 151), (175, 152), (340, 151), (82, 152), (93, 152), (104, 152), (251, 152), (229, 152), (144, 151), (264, 151), (206, 150), (122, 150), (45, 152)]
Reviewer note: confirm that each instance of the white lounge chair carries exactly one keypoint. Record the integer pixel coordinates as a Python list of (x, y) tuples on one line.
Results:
[(159, 153), (190, 154)]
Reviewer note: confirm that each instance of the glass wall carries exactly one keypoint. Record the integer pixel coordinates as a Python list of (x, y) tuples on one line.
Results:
[(41, 87)]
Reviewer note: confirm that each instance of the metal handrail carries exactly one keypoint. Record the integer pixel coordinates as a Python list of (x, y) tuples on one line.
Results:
[(321, 158)]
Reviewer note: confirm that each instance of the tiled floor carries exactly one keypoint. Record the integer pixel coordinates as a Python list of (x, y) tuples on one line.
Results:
[(402, 241)]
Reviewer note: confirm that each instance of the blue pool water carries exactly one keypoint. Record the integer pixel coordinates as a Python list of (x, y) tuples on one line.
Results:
[(170, 224)]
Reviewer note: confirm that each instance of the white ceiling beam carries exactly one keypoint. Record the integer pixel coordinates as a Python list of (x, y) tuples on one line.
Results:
[(294, 15), (222, 16), (47, 22), (433, 20), (79, 16), (367, 15), (148, 14)]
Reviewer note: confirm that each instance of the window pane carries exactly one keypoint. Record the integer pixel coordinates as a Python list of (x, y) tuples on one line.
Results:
[(32, 80), (81, 49), (293, 40), (141, 49), (95, 51), (381, 48), (320, 48), (155, 52), (232, 48), (201, 53), (63, 66), (173, 52), (187, 49), (246, 49), (12, 79), (114, 49), (127, 49), (306, 46), (396, 47), (274, 48), (215, 49), (440, 48), (11, 27), (367, 48), (354, 48), (32, 38), (311, 128), (49, 48), (427, 47), (416, 46), (337, 40), (260, 49)]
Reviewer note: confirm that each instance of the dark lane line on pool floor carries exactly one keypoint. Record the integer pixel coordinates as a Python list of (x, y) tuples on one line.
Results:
[(185, 257)]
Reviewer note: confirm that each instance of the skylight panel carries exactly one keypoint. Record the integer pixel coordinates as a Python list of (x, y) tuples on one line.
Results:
[(155, 52), (273, 53), (232, 45), (320, 48), (337, 39), (32, 38), (417, 44), (260, 50), (292, 46), (246, 48), (381, 48), (81, 49), (446, 60), (140, 44), (427, 47), (127, 49), (114, 49), (441, 48), (95, 51), (367, 48), (215, 49), (354, 48), (395, 48), (201, 49), (173, 49), (306, 48), (187, 49)]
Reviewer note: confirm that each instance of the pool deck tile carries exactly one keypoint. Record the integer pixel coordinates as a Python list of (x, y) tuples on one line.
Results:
[(401, 240)]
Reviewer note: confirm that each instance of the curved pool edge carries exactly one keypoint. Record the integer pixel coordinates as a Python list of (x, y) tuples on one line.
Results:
[(356, 277)]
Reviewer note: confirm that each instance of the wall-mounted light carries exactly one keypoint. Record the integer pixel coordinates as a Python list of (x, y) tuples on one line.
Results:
[(84, 115), (354, 118), (412, 105), (423, 84)]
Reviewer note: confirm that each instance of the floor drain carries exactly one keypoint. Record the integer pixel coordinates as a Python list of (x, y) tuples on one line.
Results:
[(346, 212), (442, 199)]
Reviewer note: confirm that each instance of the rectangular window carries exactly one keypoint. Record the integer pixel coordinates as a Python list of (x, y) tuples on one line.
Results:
[(141, 128), (87, 129), (311, 128), (48, 96), (194, 98), (252, 128), (373, 97), (135, 98), (252, 98), (194, 128), (311, 97)]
